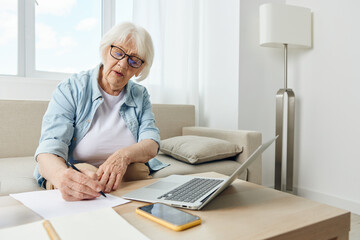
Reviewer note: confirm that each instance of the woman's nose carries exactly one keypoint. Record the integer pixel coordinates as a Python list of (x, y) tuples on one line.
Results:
[(123, 62)]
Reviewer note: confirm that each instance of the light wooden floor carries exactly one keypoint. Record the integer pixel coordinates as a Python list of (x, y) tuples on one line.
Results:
[(355, 227)]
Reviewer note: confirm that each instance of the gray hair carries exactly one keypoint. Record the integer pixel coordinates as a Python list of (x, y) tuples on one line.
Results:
[(128, 31)]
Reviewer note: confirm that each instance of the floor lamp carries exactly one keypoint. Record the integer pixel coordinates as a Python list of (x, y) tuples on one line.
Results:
[(285, 26)]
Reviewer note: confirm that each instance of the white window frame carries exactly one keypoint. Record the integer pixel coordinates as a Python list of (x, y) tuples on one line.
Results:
[(108, 15), (26, 40)]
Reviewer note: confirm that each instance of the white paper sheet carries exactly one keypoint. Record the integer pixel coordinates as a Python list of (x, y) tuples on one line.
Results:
[(103, 223), (50, 203)]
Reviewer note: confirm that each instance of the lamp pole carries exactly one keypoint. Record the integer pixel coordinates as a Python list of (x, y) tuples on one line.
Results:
[(290, 132)]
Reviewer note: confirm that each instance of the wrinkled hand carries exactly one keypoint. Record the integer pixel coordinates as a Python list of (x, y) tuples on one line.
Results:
[(112, 171), (76, 186)]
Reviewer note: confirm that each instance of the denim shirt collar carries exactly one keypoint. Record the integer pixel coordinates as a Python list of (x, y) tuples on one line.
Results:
[(95, 94), (128, 99)]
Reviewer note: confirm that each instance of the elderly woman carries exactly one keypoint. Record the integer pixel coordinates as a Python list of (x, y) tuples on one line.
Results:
[(102, 120)]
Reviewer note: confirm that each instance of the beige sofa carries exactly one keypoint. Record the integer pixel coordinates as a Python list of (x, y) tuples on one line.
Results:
[(20, 125)]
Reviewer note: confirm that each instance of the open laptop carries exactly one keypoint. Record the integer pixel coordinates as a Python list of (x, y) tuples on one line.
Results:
[(190, 192)]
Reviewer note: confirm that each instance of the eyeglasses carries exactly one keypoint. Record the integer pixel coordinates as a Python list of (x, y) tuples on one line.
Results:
[(119, 54)]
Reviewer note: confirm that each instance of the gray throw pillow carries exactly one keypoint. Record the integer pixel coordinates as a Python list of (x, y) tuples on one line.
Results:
[(196, 149)]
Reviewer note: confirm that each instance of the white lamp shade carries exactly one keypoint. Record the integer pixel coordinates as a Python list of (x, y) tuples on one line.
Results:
[(284, 24)]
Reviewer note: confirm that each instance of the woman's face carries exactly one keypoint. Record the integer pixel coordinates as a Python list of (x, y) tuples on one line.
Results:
[(117, 73)]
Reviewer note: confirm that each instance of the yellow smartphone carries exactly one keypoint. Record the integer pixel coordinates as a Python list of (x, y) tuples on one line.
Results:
[(168, 216)]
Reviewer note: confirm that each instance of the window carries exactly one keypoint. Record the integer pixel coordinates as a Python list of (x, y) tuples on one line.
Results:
[(50, 38), (67, 35), (8, 37)]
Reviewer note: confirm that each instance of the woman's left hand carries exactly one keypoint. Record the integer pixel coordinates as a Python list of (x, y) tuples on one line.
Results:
[(112, 171)]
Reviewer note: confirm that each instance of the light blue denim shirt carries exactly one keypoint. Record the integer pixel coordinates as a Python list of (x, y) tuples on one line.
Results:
[(72, 109)]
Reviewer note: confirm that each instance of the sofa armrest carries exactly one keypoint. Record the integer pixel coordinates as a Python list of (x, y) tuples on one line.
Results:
[(249, 140)]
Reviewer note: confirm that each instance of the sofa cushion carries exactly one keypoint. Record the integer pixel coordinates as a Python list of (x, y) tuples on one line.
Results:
[(197, 149), (225, 166), (16, 175)]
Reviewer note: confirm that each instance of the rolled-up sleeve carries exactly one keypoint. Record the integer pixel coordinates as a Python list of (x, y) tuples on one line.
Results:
[(147, 128), (58, 123)]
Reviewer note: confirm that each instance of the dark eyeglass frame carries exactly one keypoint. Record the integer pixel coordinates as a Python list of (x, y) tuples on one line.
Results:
[(126, 55)]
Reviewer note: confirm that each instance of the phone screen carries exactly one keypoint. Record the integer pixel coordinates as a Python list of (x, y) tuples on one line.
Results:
[(169, 214)]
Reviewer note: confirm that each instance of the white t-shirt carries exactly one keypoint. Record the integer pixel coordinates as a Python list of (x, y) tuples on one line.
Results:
[(107, 133)]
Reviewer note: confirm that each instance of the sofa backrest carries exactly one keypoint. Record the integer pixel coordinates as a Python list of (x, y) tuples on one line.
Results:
[(171, 118), (20, 124)]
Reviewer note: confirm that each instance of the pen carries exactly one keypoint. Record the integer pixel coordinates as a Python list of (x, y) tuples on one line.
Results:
[(75, 168), (50, 230)]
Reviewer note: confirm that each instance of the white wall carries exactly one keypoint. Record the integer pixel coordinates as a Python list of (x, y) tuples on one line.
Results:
[(325, 80), (26, 88)]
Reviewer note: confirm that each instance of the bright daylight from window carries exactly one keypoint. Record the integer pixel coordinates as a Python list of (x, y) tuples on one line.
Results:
[(8, 37), (43, 37), (67, 35)]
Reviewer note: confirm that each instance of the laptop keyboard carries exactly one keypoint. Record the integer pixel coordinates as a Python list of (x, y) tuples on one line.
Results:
[(191, 190)]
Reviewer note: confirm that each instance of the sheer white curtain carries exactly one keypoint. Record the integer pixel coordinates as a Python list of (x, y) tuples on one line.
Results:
[(175, 29)]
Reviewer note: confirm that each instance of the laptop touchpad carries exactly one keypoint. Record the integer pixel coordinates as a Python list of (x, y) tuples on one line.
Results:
[(162, 185)]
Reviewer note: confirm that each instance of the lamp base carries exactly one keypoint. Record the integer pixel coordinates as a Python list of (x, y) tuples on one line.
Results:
[(290, 139)]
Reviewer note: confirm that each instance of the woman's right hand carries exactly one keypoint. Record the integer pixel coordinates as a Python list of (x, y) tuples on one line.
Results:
[(75, 186)]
